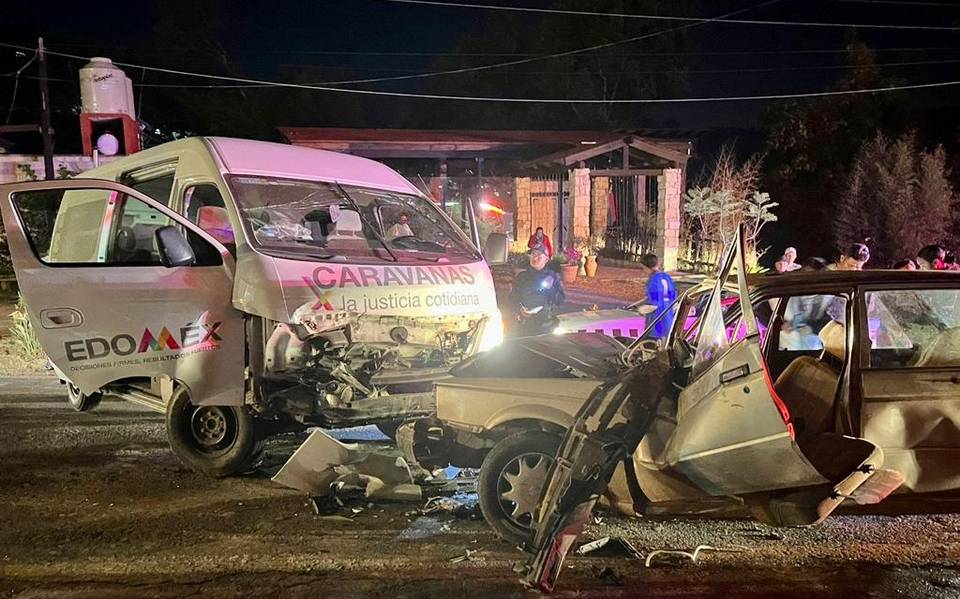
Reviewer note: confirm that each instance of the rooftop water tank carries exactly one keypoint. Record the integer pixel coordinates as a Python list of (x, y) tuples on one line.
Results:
[(105, 89)]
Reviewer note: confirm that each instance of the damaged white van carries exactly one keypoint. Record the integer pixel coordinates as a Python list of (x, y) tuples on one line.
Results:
[(246, 288)]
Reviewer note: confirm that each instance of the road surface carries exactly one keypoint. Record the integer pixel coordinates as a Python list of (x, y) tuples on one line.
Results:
[(95, 505)]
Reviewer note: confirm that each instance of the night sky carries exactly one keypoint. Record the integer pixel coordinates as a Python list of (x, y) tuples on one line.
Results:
[(362, 38)]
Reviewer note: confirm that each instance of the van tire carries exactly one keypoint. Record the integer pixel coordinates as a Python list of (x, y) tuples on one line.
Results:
[(216, 441), (504, 459), (80, 401)]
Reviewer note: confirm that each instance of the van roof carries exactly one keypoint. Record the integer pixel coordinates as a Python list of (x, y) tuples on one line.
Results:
[(249, 157)]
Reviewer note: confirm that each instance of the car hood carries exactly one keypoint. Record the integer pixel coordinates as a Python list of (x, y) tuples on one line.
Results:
[(616, 322), (590, 355)]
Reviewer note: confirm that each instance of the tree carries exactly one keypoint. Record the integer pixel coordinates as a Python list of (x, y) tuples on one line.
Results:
[(727, 197), (811, 145), (649, 67), (897, 198)]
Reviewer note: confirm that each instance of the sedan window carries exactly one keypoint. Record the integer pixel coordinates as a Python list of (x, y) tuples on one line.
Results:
[(914, 328)]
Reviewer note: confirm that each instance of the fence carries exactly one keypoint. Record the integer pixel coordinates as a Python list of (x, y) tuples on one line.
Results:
[(699, 255)]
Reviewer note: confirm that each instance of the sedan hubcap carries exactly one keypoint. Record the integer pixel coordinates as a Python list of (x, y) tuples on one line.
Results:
[(520, 484)]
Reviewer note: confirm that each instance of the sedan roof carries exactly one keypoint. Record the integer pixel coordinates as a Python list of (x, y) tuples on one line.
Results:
[(826, 280)]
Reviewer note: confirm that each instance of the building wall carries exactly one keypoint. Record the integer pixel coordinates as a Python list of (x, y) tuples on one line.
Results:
[(668, 217), (600, 202), (15, 168)]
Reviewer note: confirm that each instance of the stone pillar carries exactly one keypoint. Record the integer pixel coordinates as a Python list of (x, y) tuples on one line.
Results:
[(579, 205), (521, 192), (600, 201), (668, 217)]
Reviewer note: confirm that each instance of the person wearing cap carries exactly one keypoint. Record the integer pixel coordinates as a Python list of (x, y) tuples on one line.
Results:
[(536, 293), (788, 262), (855, 257)]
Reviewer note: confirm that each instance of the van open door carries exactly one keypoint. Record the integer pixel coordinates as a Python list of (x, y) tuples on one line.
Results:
[(119, 287)]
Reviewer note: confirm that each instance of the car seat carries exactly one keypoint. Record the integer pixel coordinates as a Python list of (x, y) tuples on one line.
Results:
[(808, 385)]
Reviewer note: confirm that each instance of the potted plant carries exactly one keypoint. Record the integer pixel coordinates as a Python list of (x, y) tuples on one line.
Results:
[(569, 264), (590, 265)]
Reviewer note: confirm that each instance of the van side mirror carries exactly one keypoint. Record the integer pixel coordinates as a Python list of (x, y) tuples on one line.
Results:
[(496, 249), (174, 248)]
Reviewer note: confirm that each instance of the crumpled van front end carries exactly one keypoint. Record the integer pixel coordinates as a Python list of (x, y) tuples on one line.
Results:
[(365, 292)]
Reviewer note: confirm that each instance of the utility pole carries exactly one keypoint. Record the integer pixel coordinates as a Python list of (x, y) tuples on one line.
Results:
[(46, 130)]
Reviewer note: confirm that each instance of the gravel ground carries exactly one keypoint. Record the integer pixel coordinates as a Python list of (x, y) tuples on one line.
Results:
[(95, 505)]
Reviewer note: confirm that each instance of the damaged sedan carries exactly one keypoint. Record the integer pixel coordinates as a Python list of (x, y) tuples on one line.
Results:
[(784, 394)]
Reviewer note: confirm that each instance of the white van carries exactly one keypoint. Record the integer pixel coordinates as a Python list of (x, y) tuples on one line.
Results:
[(247, 288)]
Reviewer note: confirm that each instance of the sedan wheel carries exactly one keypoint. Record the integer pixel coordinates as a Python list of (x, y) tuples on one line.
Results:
[(511, 480)]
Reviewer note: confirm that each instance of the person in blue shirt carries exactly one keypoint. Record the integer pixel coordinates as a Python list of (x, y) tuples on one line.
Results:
[(661, 293)]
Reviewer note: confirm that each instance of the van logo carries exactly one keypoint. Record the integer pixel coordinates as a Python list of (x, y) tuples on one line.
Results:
[(323, 295), (193, 336)]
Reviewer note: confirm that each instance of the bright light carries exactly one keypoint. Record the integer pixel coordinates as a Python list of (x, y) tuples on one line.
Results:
[(492, 334), (491, 208), (559, 331)]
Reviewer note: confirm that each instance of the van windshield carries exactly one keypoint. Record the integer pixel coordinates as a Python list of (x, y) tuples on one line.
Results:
[(316, 220)]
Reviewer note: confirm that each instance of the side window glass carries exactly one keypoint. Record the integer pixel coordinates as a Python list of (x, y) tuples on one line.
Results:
[(66, 226), (96, 226), (156, 188), (914, 328), (133, 238), (805, 317), (204, 206)]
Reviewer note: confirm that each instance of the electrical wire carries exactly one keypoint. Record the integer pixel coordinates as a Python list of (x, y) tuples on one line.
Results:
[(589, 13), (16, 85), (902, 3), (645, 72), (513, 100), (557, 54)]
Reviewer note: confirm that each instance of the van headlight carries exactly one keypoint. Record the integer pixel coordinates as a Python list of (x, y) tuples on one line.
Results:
[(492, 335)]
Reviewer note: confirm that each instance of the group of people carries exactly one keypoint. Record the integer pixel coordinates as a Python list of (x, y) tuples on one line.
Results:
[(537, 291), (930, 257)]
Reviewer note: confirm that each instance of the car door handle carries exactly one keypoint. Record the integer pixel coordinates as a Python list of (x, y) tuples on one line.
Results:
[(60, 318), (734, 373)]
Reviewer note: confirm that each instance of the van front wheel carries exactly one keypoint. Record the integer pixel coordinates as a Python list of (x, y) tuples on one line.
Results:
[(213, 440)]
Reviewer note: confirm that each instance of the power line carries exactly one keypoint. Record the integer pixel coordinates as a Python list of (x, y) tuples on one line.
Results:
[(16, 84), (640, 72), (589, 13), (902, 3), (371, 92), (515, 62), (557, 54)]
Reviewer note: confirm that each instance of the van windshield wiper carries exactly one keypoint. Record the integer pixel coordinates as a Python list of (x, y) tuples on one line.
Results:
[(366, 221)]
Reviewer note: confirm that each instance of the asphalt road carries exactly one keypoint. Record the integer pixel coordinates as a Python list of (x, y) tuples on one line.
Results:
[(95, 505)]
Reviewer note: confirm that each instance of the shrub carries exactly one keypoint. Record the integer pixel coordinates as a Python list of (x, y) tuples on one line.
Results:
[(25, 340)]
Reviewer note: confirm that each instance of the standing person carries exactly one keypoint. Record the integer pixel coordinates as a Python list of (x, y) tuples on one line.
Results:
[(930, 257), (855, 257), (788, 262), (661, 293), (536, 293), (539, 240), (401, 228)]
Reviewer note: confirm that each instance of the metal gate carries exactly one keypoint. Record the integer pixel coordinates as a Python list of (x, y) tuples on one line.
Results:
[(548, 196), (631, 216)]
